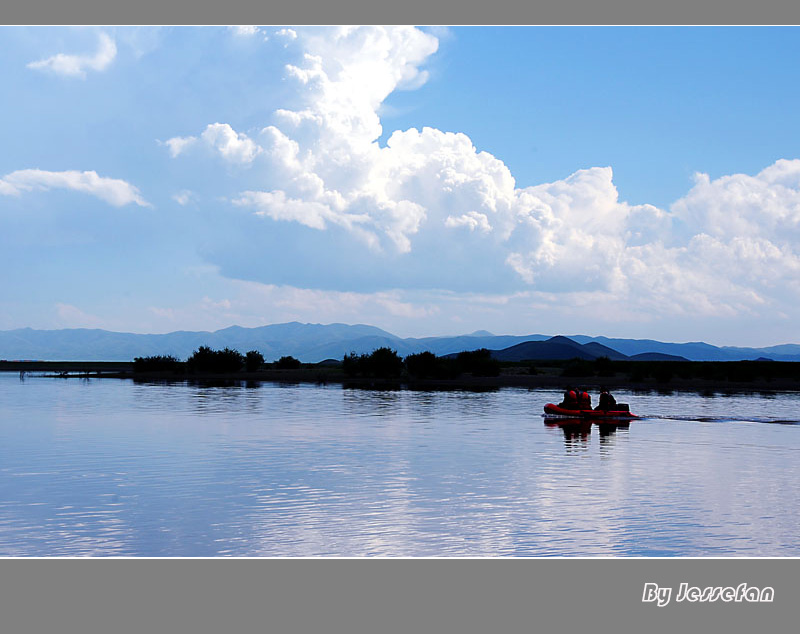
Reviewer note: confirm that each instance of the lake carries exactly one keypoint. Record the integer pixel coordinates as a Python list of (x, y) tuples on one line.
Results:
[(108, 467)]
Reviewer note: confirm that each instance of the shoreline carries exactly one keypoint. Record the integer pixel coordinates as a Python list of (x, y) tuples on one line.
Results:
[(509, 377)]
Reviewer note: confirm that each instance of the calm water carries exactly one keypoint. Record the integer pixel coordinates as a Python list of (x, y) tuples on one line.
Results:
[(112, 468)]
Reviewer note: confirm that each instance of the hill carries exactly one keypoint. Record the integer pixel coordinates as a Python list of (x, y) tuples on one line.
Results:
[(556, 348), (315, 342)]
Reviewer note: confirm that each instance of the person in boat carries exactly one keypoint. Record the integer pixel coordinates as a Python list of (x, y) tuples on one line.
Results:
[(576, 399), (606, 401), (570, 399)]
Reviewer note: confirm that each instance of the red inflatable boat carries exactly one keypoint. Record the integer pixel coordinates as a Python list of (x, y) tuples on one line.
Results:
[(594, 414)]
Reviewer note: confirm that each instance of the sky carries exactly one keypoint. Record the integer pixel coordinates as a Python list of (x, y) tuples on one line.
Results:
[(638, 182)]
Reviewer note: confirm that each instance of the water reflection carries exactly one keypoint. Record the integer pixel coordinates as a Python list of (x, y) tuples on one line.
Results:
[(607, 432), (578, 430), (121, 468)]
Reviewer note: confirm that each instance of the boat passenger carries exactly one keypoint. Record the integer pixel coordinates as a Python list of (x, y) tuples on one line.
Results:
[(585, 401), (606, 402), (570, 399)]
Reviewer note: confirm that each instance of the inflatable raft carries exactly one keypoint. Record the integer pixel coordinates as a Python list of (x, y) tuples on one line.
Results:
[(623, 413)]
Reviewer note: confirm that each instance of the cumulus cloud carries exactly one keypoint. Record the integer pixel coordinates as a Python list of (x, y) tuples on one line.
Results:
[(743, 236), (289, 34), (177, 145), (433, 211), (741, 205), (472, 220), (114, 191), (77, 65), (244, 30), (277, 206), (232, 146)]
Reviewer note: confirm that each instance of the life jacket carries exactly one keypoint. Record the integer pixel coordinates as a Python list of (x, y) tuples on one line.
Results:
[(570, 400)]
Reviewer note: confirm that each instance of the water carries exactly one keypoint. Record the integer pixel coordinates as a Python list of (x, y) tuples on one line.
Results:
[(113, 468)]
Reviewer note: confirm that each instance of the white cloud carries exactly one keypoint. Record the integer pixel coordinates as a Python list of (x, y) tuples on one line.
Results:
[(399, 308), (435, 211), (210, 304), (330, 151), (232, 146), (183, 197), (244, 30), (277, 206), (77, 65), (177, 145), (289, 34), (471, 220), (112, 190), (767, 204), (70, 316)]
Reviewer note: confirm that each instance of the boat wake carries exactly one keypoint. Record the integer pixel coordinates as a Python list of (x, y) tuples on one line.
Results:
[(725, 419)]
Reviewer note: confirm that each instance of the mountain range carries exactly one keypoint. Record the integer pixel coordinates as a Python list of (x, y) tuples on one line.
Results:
[(316, 342), (565, 348)]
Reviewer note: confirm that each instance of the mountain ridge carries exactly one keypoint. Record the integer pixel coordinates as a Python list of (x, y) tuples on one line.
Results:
[(316, 342)]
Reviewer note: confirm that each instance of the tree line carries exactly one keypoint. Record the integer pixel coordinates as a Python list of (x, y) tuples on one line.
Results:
[(385, 363), (380, 363), (205, 359)]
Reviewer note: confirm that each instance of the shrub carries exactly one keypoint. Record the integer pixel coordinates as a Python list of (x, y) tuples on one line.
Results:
[(478, 363), (159, 363), (383, 363), (287, 363), (353, 364), (253, 360), (205, 359), (423, 365)]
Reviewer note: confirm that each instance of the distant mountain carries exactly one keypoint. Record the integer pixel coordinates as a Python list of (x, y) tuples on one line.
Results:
[(785, 352), (273, 341), (696, 350), (317, 342), (447, 345), (550, 349), (565, 348), (599, 350), (360, 345), (656, 356)]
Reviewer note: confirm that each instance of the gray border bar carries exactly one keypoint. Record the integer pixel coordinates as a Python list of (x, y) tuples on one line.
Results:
[(407, 11), (554, 596), (387, 596)]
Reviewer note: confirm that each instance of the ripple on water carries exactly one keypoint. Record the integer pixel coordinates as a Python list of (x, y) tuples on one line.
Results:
[(112, 468)]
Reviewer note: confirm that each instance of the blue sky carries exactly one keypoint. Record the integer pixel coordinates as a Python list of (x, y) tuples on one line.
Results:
[(634, 182)]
